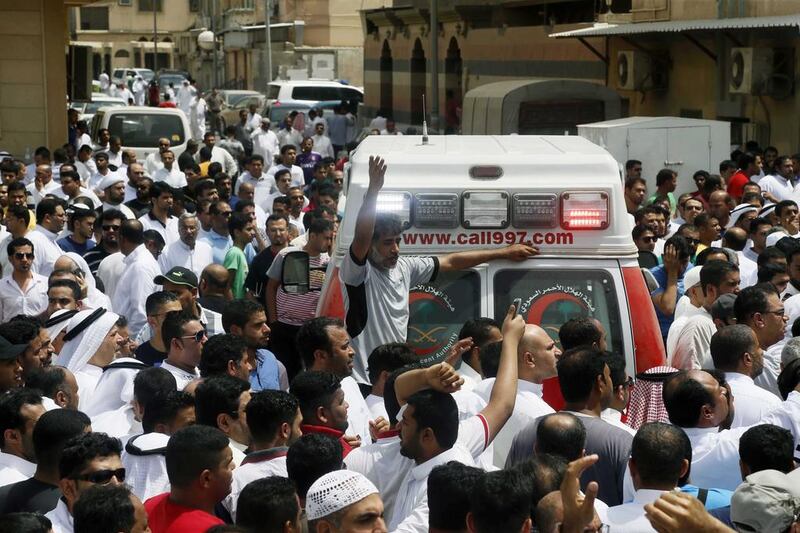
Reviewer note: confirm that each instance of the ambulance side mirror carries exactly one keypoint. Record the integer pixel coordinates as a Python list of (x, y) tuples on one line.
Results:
[(650, 280), (294, 278)]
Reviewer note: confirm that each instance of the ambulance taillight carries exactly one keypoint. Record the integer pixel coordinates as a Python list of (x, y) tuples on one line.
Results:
[(584, 210)]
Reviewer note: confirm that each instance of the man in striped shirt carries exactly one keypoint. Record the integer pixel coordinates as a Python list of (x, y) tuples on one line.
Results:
[(287, 312)]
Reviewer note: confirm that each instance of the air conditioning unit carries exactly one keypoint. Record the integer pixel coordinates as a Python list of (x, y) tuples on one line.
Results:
[(751, 70), (639, 71)]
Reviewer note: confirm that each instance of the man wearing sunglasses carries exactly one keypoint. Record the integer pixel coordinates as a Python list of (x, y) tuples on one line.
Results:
[(22, 291), (107, 227), (184, 337), (87, 460)]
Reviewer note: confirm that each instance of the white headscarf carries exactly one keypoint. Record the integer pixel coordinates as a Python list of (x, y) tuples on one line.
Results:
[(76, 352), (57, 326), (146, 466), (94, 298), (104, 82), (115, 387)]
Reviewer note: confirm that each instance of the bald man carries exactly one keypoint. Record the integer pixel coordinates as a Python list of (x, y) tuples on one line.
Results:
[(536, 357), (213, 288), (719, 206)]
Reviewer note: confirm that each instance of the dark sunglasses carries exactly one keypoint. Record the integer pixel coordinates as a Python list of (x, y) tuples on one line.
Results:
[(200, 335), (103, 477), (109, 227), (649, 239), (22, 255), (692, 241)]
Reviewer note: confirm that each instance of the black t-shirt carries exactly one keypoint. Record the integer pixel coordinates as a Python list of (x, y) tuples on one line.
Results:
[(214, 303), (149, 355), (256, 280), (29, 496), (94, 256)]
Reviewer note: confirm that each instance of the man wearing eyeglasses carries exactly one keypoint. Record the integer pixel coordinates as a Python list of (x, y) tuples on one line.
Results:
[(87, 460), (22, 291), (767, 316), (184, 337)]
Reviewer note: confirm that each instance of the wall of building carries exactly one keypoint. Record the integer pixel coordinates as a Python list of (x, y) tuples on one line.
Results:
[(33, 85)]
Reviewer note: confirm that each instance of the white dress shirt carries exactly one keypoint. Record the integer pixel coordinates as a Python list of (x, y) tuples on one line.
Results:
[(358, 414), (614, 417), (60, 518), (471, 377), (693, 347), (751, 402), (323, 146), (87, 378), (383, 464), (114, 158), (688, 310), (768, 380), (14, 301), (152, 163), (46, 251), (181, 376), (377, 408), (14, 469), (129, 214), (110, 270), (273, 464), (298, 178), (263, 186), (169, 231), (224, 158), (48, 188), (174, 177), (134, 286), (265, 144), (178, 253), (629, 517)]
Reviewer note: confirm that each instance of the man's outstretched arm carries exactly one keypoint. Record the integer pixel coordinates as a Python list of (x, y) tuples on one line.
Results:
[(463, 260), (365, 223)]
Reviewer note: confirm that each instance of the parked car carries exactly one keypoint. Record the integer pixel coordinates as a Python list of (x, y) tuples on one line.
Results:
[(312, 91), (99, 100), (141, 127), (234, 101), (165, 76), (127, 75)]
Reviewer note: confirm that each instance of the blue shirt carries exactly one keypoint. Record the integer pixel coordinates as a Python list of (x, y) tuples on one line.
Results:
[(220, 246), (266, 375), (307, 162), (664, 321), (715, 498), (68, 245)]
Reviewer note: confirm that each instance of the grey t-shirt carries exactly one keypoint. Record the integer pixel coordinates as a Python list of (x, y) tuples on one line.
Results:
[(376, 302), (611, 443)]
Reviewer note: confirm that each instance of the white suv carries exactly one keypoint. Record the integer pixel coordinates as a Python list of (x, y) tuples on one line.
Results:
[(312, 91)]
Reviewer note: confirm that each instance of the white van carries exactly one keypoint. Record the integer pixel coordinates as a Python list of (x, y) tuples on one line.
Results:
[(141, 127), (561, 193), (311, 92)]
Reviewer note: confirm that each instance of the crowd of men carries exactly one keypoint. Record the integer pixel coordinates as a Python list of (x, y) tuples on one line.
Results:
[(157, 373)]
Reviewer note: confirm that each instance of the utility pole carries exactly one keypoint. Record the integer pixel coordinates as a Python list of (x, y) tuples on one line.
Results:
[(155, 37), (214, 49), (434, 22), (267, 45)]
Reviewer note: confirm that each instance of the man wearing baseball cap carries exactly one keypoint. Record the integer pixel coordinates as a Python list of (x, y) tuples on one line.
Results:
[(767, 501), (344, 502), (10, 366), (688, 305)]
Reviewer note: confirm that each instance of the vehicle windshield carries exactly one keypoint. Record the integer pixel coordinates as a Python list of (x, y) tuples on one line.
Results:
[(277, 114), (438, 310), (175, 79), (146, 75), (244, 100), (273, 91), (141, 130), (551, 297), (92, 107)]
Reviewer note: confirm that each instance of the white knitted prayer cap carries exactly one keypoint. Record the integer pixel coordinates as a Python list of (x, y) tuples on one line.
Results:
[(335, 491)]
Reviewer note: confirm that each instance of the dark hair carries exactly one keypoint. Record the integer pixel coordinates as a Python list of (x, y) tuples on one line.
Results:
[(630, 182), (780, 206), (479, 329), (172, 327), (450, 487), (313, 335), (730, 343), (152, 385), (277, 218), (160, 187), (437, 411), (580, 331), (319, 225), (388, 358), (18, 242), (658, 451), (314, 389), (639, 230), (789, 378), (53, 430), (81, 450), (11, 403), (21, 329), (205, 185), (630, 163), (266, 504), (757, 223), (712, 183), (157, 300), (104, 509), (218, 351), (501, 501), (218, 395), (561, 434), (714, 272), (578, 370), (165, 411), (132, 230), (751, 300), (769, 255), (767, 447), (191, 450), (490, 359), (546, 472), (25, 523), (386, 224), (111, 214), (152, 235), (726, 164), (49, 379), (746, 159), (69, 284), (239, 312), (281, 200), (310, 457), (684, 398), (665, 174), (681, 246), (286, 147), (19, 211), (267, 411), (616, 367), (47, 207)]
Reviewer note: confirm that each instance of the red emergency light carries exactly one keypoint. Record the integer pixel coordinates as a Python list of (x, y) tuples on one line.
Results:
[(584, 210)]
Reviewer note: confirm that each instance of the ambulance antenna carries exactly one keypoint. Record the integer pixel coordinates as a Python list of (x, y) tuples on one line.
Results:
[(424, 122)]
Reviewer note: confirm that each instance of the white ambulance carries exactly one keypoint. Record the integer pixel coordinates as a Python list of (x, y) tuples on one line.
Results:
[(563, 194)]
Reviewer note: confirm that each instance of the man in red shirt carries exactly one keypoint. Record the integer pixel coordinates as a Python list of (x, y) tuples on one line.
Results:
[(749, 165), (200, 470), (323, 406)]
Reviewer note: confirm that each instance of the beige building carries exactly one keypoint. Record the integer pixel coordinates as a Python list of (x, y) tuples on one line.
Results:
[(733, 60), (34, 82), (121, 32)]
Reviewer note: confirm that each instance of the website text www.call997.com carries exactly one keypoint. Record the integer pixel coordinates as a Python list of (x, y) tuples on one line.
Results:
[(488, 237)]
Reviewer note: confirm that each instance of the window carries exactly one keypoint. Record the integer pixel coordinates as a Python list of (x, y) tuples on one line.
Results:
[(125, 2), (273, 91), (194, 6), (94, 18), (147, 5), (352, 95), (142, 130), (439, 309), (316, 92), (551, 297)]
